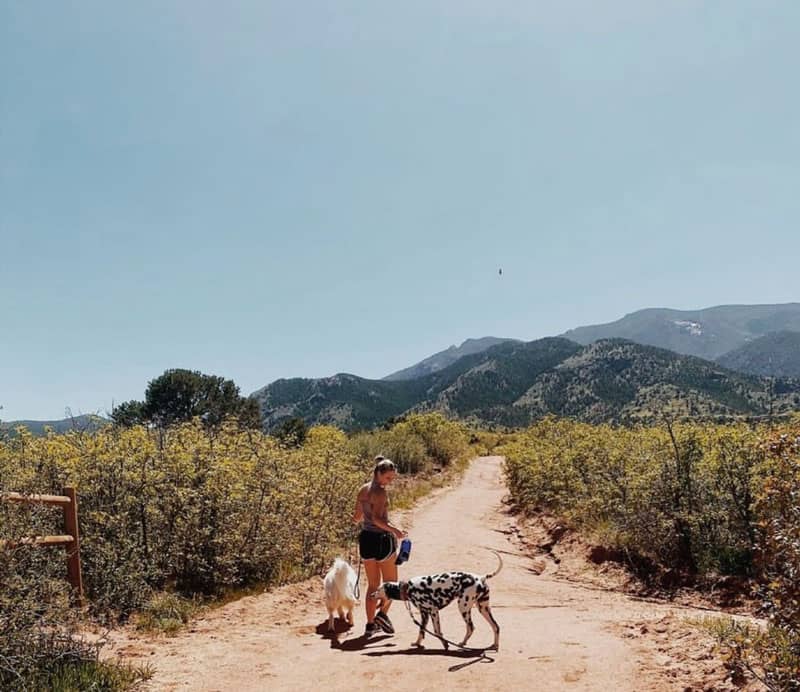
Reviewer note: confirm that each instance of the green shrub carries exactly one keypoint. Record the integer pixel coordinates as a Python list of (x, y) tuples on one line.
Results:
[(40, 644), (165, 612), (701, 500)]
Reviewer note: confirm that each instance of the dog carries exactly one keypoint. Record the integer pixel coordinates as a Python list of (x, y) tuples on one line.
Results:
[(340, 587), (432, 593)]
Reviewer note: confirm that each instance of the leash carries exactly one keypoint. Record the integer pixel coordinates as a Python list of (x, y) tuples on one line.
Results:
[(471, 649), (357, 591)]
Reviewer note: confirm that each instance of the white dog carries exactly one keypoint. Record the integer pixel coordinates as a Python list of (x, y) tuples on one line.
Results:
[(340, 588)]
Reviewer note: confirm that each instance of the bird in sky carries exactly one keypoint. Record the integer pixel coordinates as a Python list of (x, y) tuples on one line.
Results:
[(500, 271)]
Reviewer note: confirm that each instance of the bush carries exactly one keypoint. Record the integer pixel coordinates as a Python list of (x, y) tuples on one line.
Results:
[(192, 509), (170, 515), (699, 500), (682, 496), (165, 612), (40, 646), (419, 443)]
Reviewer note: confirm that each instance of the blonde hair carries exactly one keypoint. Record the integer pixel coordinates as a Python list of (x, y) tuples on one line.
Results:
[(383, 465)]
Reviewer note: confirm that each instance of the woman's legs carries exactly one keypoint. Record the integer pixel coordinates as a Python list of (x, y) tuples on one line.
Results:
[(373, 572), (388, 572)]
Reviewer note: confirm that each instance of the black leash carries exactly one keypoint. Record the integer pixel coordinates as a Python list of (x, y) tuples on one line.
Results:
[(358, 573), (471, 649)]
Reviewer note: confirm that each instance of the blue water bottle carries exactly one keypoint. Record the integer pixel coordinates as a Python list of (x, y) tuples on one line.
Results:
[(405, 551)]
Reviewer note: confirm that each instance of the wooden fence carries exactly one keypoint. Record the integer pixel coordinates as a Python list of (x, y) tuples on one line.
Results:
[(70, 539)]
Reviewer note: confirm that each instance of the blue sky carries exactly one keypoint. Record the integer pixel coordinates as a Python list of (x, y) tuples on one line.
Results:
[(274, 189)]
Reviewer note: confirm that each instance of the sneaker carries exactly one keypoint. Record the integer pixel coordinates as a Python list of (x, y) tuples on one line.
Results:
[(370, 629), (383, 621)]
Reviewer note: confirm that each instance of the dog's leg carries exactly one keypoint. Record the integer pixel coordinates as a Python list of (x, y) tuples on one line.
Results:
[(423, 623), (486, 611), (330, 620), (465, 607), (350, 615), (438, 628), (341, 613)]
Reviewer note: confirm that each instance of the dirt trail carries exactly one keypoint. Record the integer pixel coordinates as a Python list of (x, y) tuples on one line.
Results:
[(554, 635)]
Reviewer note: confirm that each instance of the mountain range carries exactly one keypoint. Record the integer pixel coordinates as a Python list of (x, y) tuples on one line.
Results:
[(709, 333), (84, 422), (731, 360), (648, 363), (439, 361), (776, 354)]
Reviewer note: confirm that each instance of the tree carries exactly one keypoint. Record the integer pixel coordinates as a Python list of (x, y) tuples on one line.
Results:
[(128, 413), (179, 395), (292, 432)]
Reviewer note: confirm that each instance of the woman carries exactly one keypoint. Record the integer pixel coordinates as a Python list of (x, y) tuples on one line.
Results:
[(377, 541)]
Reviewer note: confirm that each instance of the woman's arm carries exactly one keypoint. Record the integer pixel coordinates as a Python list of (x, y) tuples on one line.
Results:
[(358, 513), (386, 526)]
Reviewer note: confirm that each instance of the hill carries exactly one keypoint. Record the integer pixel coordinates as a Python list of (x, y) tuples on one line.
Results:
[(514, 383), (85, 422), (620, 381), (775, 354), (486, 389), (707, 333), (441, 360), (354, 402)]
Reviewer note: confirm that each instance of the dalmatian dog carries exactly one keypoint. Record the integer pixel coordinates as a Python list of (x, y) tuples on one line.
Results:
[(432, 593)]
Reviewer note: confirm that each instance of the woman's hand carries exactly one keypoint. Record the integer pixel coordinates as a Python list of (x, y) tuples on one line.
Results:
[(400, 534)]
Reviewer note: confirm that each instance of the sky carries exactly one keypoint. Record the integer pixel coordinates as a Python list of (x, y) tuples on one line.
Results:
[(268, 189)]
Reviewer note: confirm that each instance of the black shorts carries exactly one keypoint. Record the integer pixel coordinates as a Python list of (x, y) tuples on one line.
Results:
[(376, 545)]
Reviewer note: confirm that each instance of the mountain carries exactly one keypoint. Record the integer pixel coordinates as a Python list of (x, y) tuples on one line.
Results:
[(85, 422), (439, 361), (615, 380), (343, 400), (774, 354), (707, 333), (514, 383), (504, 373), (354, 402)]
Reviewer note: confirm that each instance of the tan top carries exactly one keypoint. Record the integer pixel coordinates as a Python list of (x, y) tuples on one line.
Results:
[(374, 504)]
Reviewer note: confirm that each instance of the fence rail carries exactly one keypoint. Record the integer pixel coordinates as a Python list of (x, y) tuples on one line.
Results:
[(70, 539), (39, 499)]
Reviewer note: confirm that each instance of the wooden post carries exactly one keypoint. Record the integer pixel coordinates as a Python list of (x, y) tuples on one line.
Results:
[(74, 547)]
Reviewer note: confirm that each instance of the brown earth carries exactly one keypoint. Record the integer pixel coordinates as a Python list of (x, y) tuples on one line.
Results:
[(564, 626)]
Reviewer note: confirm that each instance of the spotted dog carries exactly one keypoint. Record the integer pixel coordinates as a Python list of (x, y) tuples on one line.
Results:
[(432, 593)]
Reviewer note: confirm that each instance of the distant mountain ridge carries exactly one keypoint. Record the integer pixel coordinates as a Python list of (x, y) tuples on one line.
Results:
[(775, 354), (439, 361), (615, 380), (514, 383), (708, 333), (84, 422), (648, 362)]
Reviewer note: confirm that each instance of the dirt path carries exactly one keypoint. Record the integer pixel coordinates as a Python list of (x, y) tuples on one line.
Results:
[(555, 634)]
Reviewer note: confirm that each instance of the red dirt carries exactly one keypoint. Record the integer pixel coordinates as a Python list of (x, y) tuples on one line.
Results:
[(559, 630)]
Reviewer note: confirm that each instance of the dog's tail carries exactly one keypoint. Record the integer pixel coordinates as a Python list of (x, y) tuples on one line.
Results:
[(499, 567)]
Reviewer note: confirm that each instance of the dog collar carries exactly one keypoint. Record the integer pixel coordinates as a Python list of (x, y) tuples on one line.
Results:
[(403, 590)]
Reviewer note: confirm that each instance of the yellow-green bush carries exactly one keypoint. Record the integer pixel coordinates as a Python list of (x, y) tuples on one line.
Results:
[(193, 509), (682, 496), (187, 510), (702, 499), (199, 510), (419, 443)]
